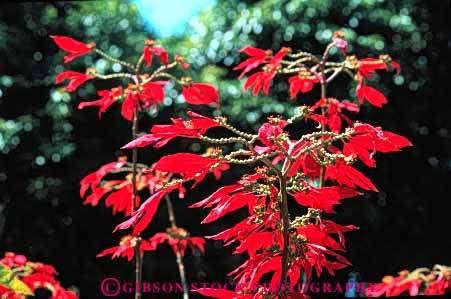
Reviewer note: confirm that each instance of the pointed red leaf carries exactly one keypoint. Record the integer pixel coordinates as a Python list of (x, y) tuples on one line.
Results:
[(374, 96)]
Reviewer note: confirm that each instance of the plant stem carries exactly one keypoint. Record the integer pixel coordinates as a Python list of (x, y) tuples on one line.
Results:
[(323, 128), (323, 83), (114, 60), (178, 254), (138, 257), (285, 230), (285, 214)]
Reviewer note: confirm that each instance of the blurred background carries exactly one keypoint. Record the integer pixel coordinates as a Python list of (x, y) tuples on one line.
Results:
[(47, 145)]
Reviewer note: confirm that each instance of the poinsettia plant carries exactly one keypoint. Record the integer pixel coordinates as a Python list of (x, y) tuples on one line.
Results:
[(119, 183), (20, 278), (317, 171), (421, 281)]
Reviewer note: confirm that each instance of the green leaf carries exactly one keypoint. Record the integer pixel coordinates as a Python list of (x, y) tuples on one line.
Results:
[(10, 280)]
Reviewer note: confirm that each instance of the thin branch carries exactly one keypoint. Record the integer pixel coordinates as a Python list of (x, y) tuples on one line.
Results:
[(238, 132), (323, 129), (336, 72), (139, 63), (159, 70), (223, 140), (138, 257), (113, 76), (112, 59), (285, 229), (168, 76), (178, 254)]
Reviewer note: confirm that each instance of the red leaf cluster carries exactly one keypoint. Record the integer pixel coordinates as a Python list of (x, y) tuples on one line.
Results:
[(144, 90), (76, 48), (35, 275), (419, 281)]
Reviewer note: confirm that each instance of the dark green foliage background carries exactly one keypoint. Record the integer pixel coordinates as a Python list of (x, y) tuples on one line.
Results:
[(47, 145)]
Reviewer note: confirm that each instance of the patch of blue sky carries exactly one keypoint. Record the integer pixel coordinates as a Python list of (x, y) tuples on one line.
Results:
[(170, 17)]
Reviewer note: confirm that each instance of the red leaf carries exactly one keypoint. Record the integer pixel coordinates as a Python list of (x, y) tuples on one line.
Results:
[(259, 80), (395, 142), (153, 92), (142, 141), (197, 242), (202, 123), (72, 46), (97, 193), (229, 204), (200, 94), (302, 83), (108, 97), (158, 239), (370, 65), (126, 249), (162, 54), (162, 134), (324, 198), (360, 149), (315, 236), (143, 216), (255, 242), (349, 176), (397, 67), (108, 251), (95, 177), (328, 226), (148, 56), (128, 106), (258, 56), (187, 164), (159, 51), (374, 96), (217, 196), (75, 79), (267, 133), (121, 200), (218, 293), (371, 139)]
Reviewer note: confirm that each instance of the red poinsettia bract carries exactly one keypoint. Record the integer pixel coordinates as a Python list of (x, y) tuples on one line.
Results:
[(126, 248), (263, 79), (143, 96), (179, 240), (269, 132), (108, 97), (35, 276), (118, 193), (421, 281), (151, 49), (366, 67), (335, 113), (257, 57), (72, 46), (75, 79), (371, 140), (317, 170), (144, 88), (200, 94), (303, 82), (162, 134)]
